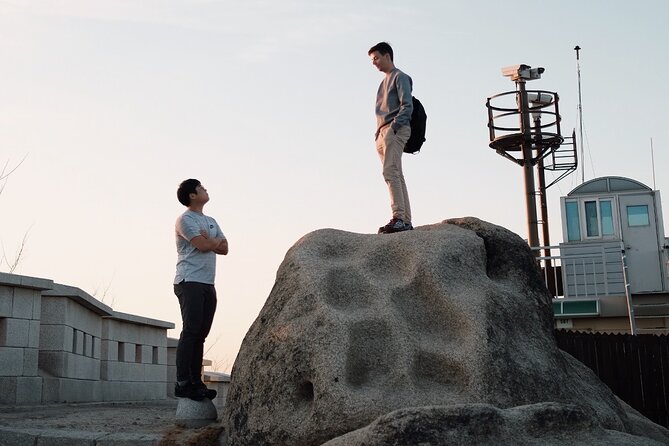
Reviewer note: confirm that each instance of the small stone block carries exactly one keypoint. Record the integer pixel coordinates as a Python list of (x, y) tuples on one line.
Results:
[(28, 390), (78, 342), (6, 299), (23, 303), (37, 306), (33, 336), (30, 358), (7, 390), (14, 332), (55, 338), (193, 414), (97, 346), (11, 361), (88, 345)]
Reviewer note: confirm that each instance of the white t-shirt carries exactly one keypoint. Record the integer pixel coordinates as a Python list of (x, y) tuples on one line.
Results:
[(194, 265)]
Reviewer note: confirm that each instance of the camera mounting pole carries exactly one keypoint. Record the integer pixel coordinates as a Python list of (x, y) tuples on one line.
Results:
[(511, 131), (527, 165)]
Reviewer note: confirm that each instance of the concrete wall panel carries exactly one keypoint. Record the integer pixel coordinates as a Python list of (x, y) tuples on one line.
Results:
[(28, 390), (97, 347), (30, 361), (78, 342), (11, 361), (56, 337), (37, 306), (33, 337), (23, 303), (54, 310), (108, 350), (82, 367), (6, 301), (63, 390), (53, 362), (51, 390), (83, 319), (88, 345), (162, 355), (111, 390), (154, 372), (14, 332), (147, 354), (8, 389)]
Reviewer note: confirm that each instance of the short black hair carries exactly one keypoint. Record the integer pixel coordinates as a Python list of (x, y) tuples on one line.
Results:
[(383, 48), (186, 188)]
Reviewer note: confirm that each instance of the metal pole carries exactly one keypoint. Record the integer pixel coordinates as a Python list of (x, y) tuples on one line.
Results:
[(528, 168), (541, 172), (580, 110)]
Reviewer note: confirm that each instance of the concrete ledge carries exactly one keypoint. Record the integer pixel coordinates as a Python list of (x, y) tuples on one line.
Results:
[(20, 390), (33, 283), (22, 437), (63, 390), (141, 320), (79, 296)]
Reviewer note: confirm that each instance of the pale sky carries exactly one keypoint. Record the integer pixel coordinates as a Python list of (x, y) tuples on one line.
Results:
[(271, 105)]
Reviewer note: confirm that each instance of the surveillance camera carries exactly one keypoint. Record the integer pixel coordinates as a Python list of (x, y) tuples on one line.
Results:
[(514, 70), (540, 98), (535, 73), (522, 72)]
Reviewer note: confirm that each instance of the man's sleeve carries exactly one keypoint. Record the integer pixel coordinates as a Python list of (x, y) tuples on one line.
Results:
[(403, 117), (187, 227), (219, 232)]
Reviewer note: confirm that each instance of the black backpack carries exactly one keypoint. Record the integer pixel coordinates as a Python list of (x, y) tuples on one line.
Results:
[(418, 122)]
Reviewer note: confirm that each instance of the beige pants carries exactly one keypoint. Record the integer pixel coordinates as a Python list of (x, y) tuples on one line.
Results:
[(390, 146)]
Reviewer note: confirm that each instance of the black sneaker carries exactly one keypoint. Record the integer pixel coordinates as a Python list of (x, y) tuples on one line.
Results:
[(395, 225), (209, 393), (189, 391)]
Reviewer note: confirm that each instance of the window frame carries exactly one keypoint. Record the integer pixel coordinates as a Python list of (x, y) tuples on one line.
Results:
[(627, 215), (582, 218)]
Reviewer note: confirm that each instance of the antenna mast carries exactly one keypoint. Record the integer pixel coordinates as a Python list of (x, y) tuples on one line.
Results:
[(580, 110), (652, 160)]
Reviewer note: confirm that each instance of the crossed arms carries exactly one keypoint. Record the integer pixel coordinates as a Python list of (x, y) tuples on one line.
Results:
[(205, 244)]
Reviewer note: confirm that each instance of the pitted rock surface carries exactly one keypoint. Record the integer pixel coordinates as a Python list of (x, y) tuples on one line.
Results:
[(546, 424), (358, 326)]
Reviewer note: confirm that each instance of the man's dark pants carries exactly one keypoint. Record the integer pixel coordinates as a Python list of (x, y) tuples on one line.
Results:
[(198, 305)]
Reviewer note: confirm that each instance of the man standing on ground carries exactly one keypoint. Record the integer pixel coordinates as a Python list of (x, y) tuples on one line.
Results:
[(199, 239), (393, 115)]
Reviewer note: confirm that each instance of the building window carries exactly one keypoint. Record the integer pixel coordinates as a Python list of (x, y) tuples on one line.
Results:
[(573, 222), (637, 215), (591, 220), (606, 211)]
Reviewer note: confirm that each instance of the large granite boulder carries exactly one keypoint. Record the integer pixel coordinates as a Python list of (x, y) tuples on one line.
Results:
[(545, 424), (358, 326)]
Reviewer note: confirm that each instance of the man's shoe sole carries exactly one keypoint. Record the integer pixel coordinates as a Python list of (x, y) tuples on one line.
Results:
[(393, 231)]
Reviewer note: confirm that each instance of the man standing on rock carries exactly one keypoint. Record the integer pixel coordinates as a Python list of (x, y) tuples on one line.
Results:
[(393, 115), (199, 239)]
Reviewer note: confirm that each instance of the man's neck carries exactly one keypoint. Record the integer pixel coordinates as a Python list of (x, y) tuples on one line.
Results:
[(196, 208), (390, 69)]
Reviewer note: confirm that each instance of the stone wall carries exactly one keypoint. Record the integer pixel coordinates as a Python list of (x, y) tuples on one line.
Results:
[(59, 344), (20, 313)]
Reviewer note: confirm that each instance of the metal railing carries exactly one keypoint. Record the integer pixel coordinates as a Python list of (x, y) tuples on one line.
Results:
[(592, 274)]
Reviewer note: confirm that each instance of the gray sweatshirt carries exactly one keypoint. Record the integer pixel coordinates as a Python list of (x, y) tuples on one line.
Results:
[(393, 101)]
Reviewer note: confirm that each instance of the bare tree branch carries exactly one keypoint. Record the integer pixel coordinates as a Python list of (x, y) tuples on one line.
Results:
[(4, 173), (105, 291), (12, 264)]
